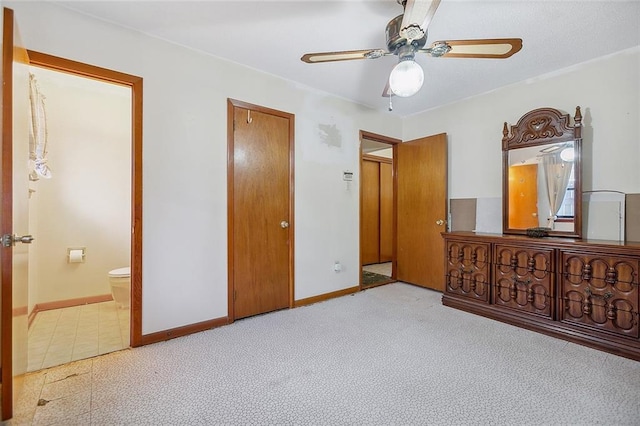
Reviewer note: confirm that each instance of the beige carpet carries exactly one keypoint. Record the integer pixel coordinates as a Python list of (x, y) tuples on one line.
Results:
[(390, 355)]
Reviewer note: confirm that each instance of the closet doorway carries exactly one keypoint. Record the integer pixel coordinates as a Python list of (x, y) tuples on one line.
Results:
[(377, 211)]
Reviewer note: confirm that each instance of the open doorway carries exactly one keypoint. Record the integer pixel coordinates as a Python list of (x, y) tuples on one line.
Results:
[(15, 215), (377, 210), (80, 211)]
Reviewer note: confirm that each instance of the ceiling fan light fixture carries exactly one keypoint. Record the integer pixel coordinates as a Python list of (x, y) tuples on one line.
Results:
[(406, 78)]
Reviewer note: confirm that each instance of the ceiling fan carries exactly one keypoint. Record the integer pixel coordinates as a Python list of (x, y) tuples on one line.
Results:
[(406, 36)]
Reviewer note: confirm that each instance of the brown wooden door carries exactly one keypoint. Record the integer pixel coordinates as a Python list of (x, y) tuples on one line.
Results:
[(261, 232), (377, 210), (523, 196), (422, 210), (386, 212), (370, 212), (15, 211)]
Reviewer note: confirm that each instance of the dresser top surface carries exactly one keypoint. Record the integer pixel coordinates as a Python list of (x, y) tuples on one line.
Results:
[(552, 241)]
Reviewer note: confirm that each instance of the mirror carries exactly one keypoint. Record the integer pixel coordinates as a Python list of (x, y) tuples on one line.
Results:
[(542, 174)]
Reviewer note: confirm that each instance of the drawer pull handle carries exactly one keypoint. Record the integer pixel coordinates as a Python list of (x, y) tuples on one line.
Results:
[(587, 307), (612, 276), (611, 312), (586, 272), (514, 289), (521, 282), (606, 296)]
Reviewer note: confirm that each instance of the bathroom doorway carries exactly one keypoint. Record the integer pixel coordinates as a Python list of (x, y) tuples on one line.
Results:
[(377, 214), (80, 211)]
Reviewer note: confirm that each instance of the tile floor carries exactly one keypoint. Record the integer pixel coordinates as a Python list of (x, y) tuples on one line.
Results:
[(379, 268), (59, 336)]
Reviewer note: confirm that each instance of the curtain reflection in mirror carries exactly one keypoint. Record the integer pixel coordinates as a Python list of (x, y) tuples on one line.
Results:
[(557, 173)]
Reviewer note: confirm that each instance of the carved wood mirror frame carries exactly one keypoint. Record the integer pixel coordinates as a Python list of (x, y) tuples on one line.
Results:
[(544, 130)]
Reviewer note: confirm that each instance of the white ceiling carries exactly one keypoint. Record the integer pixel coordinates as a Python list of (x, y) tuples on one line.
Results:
[(272, 36)]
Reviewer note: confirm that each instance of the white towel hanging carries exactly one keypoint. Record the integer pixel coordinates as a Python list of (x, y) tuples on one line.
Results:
[(38, 133)]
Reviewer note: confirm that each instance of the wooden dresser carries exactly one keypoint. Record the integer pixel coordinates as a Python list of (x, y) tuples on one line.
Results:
[(583, 291)]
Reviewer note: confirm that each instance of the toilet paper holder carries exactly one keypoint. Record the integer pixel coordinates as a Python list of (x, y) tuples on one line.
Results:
[(76, 254)]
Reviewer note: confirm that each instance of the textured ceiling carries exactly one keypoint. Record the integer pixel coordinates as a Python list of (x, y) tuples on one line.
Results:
[(272, 36)]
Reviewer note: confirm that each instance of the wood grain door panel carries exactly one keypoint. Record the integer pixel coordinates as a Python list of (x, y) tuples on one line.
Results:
[(386, 212), (370, 212), (422, 210), (14, 216), (261, 221)]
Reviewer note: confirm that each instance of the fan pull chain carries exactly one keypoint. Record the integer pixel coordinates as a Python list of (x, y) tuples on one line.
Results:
[(390, 103)]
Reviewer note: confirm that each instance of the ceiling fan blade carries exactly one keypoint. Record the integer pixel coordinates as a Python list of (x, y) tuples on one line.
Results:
[(496, 48), (346, 55), (416, 19)]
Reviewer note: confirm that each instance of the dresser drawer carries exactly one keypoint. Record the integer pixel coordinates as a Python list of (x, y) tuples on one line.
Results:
[(583, 291), (524, 279), (467, 270), (600, 292)]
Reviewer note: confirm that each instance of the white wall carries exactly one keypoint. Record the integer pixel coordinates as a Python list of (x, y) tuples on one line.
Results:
[(87, 202), (607, 90), (184, 163)]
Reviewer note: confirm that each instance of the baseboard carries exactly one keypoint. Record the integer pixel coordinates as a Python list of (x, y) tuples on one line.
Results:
[(21, 311), (161, 336), (18, 312), (58, 304), (368, 286), (326, 296)]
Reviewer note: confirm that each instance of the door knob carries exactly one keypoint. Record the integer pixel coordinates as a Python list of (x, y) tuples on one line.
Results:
[(284, 224), (9, 240), (439, 222)]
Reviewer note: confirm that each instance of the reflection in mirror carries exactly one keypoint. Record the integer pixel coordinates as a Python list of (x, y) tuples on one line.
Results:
[(542, 174), (541, 187)]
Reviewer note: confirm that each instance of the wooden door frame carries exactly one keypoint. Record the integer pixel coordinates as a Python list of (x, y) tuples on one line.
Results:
[(231, 105), (394, 147), (6, 293), (55, 63)]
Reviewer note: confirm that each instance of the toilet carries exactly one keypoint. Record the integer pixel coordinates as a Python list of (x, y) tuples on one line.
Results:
[(120, 281)]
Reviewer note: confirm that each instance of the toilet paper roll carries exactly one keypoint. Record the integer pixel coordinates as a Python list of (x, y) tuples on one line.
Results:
[(76, 256)]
